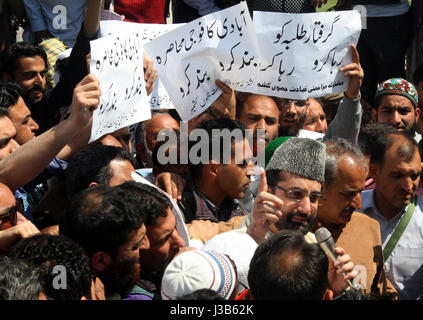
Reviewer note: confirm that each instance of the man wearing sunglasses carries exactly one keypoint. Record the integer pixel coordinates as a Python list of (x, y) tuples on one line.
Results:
[(13, 225)]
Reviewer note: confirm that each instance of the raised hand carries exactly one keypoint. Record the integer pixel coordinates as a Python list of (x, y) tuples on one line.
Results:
[(356, 74), (267, 209)]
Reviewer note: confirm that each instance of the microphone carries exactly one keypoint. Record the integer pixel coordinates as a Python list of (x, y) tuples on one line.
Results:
[(325, 240)]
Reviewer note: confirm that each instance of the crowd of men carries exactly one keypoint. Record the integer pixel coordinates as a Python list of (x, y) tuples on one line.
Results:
[(109, 220)]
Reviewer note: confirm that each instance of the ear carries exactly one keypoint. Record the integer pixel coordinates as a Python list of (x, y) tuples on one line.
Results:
[(373, 170), (417, 113), (100, 260), (374, 115), (328, 295), (213, 167), (93, 184)]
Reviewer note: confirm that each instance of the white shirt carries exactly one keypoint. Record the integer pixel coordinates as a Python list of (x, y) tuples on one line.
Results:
[(404, 266)]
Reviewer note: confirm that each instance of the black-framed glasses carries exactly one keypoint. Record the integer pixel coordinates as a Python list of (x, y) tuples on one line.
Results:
[(297, 103), (297, 194)]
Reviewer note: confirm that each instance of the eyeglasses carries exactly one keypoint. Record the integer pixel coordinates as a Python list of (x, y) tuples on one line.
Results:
[(297, 195), (11, 215), (297, 103)]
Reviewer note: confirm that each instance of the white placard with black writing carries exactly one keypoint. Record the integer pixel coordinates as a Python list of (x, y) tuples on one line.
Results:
[(117, 61), (221, 45), (301, 54)]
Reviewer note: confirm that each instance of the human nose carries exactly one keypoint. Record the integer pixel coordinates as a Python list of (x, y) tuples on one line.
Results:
[(396, 118), (304, 205), (145, 244), (177, 241), (34, 126)]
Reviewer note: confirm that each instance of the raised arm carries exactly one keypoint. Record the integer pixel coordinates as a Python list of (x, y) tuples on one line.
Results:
[(92, 18), (29, 160)]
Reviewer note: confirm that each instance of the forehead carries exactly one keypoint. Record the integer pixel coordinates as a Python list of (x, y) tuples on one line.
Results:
[(244, 146), (7, 129), (7, 199), (314, 108), (394, 162), (394, 100), (163, 225), (162, 122), (350, 170), (25, 64), (259, 104), (295, 181)]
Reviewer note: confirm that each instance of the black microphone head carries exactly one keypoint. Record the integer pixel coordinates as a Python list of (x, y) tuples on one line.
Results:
[(322, 234)]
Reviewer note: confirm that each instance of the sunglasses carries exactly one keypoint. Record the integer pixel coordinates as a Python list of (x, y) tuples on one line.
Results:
[(10, 217)]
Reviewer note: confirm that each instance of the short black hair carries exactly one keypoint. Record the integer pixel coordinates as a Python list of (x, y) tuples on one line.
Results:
[(20, 50), (92, 164), (383, 143), (154, 204), (48, 251), (286, 267), (370, 133), (210, 125), (9, 94), (19, 280), (102, 218)]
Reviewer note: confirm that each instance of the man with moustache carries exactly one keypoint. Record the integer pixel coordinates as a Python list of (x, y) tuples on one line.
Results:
[(108, 222), (396, 102), (396, 169), (288, 198), (215, 186), (345, 174)]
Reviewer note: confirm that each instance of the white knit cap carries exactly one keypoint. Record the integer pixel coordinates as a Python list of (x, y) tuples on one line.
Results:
[(198, 269)]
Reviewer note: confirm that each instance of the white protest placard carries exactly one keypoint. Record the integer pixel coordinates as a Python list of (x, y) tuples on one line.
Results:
[(159, 98), (117, 61), (179, 216), (221, 45), (301, 54)]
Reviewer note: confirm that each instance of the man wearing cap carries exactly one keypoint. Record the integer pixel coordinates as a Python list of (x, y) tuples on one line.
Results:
[(396, 103), (289, 194)]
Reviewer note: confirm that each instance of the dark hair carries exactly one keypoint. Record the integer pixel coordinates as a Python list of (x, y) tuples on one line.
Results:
[(154, 204), (370, 133), (18, 280), (92, 164), (336, 149), (48, 251), (275, 176), (286, 267), (9, 95), (102, 218), (202, 294), (213, 139), (406, 151), (21, 50), (418, 75)]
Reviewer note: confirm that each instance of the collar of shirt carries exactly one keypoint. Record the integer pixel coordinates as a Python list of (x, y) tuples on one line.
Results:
[(207, 210)]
